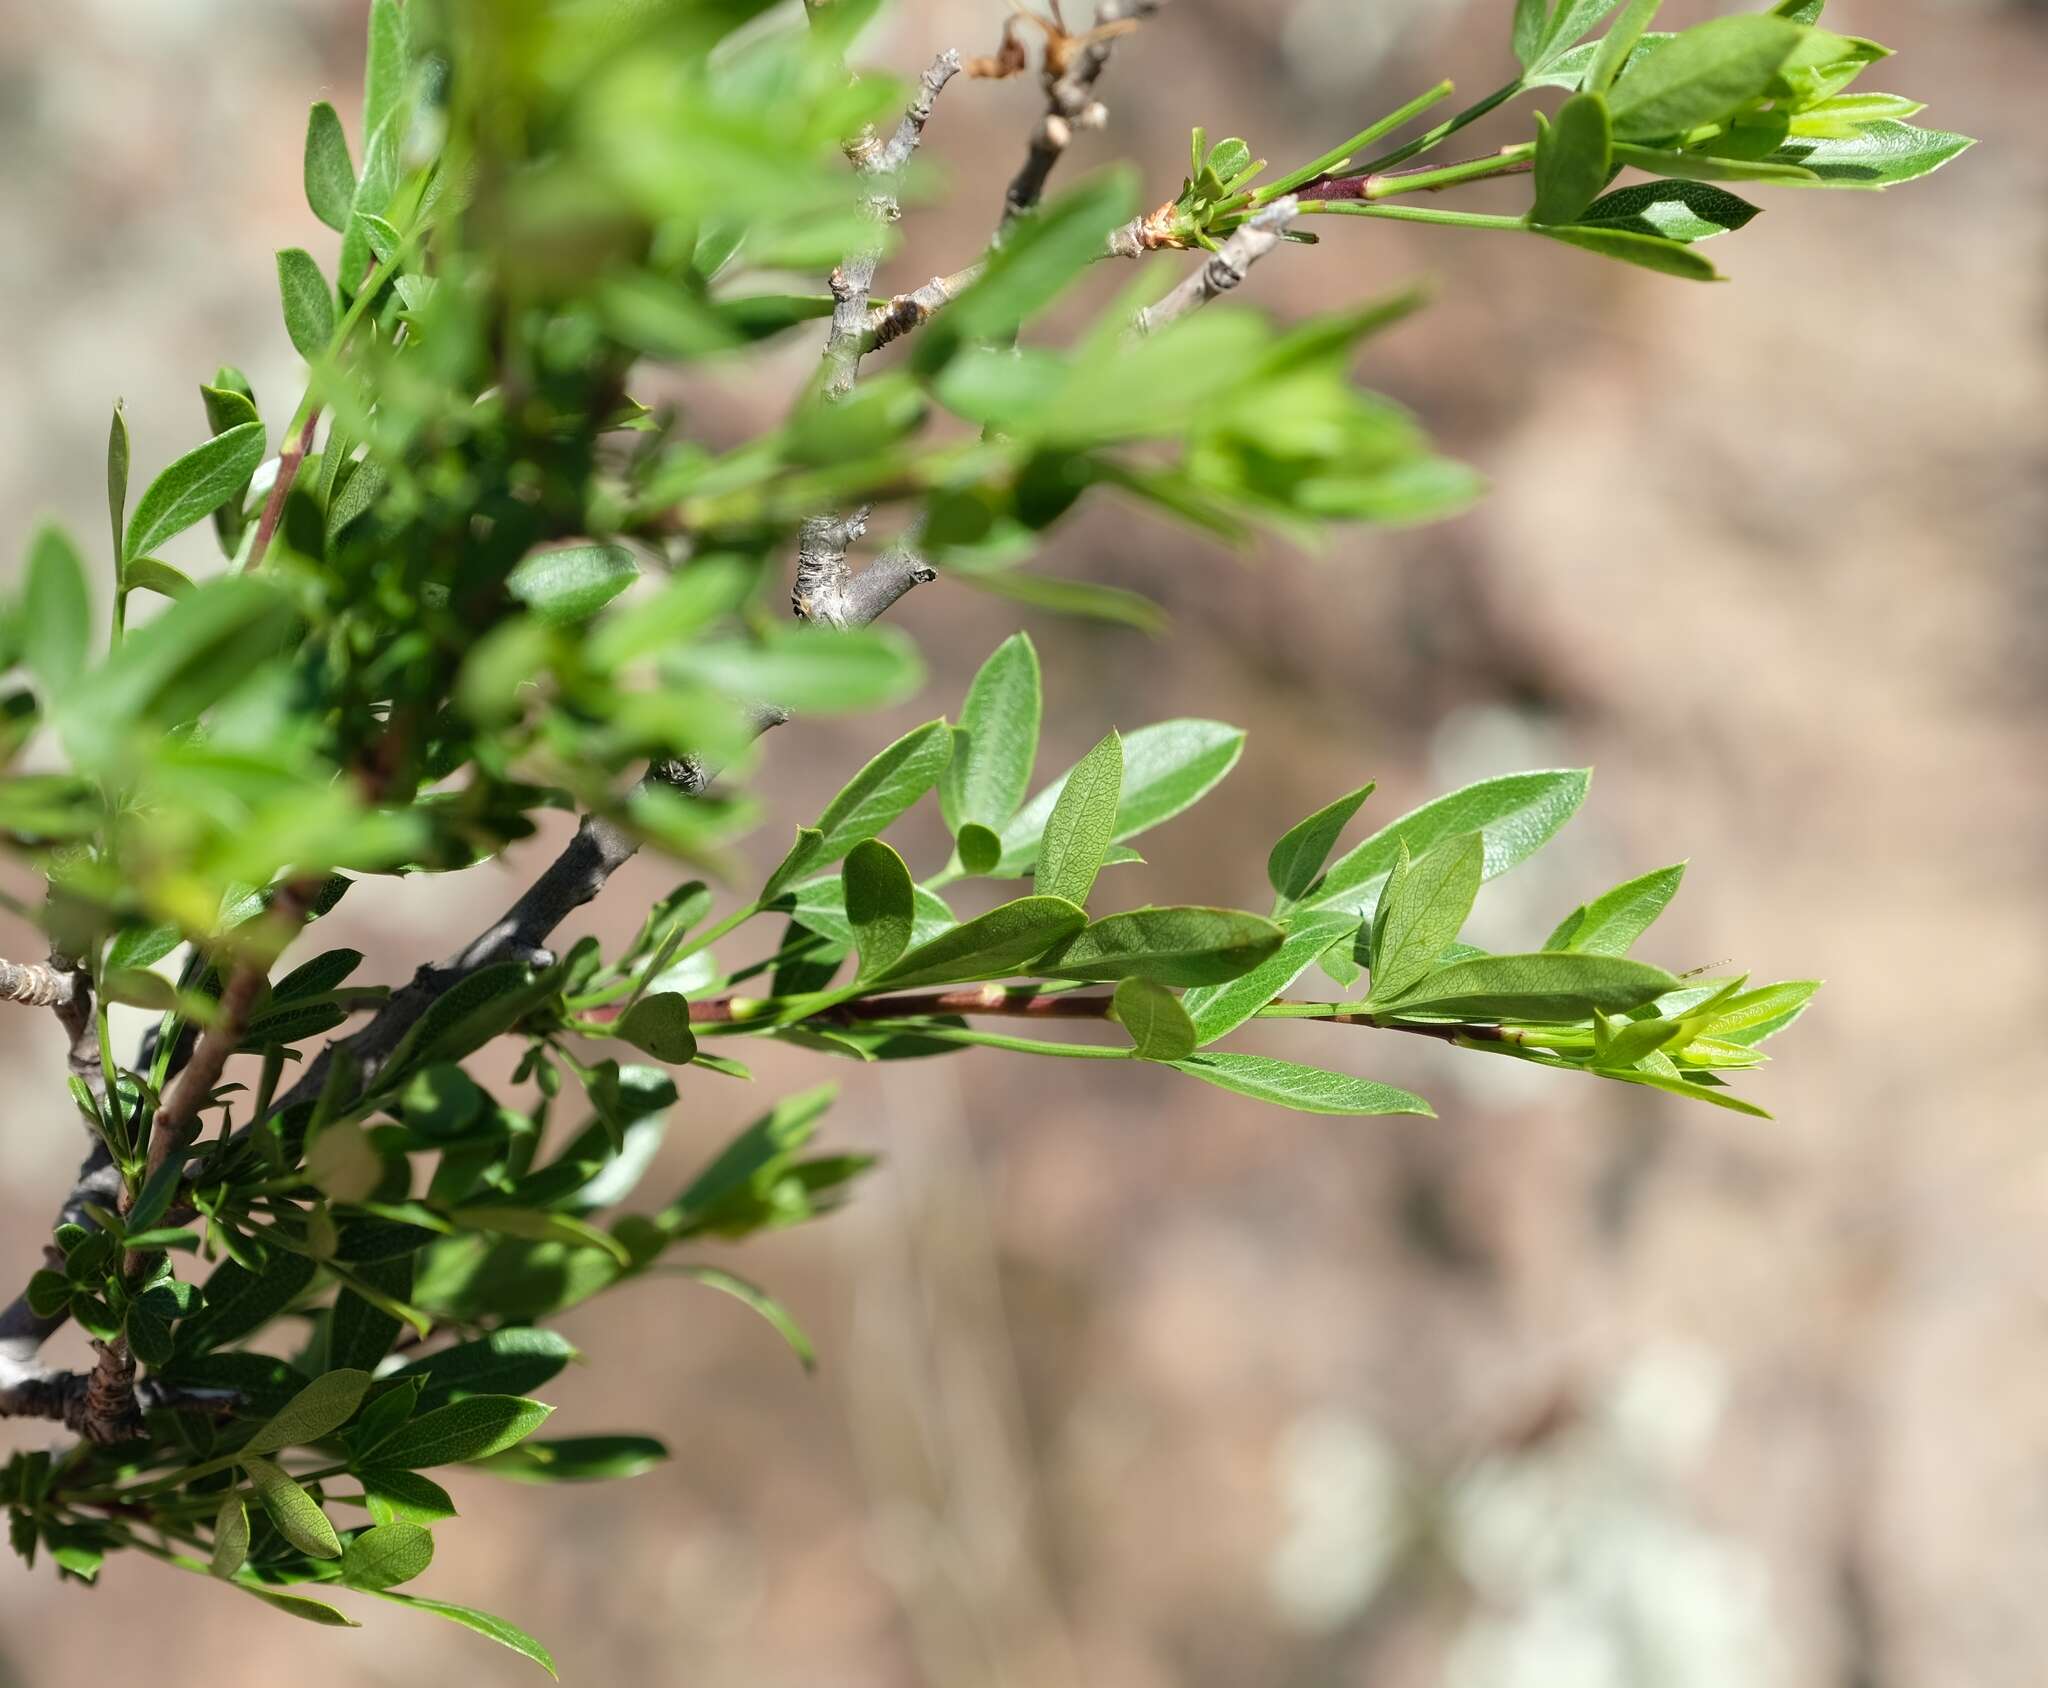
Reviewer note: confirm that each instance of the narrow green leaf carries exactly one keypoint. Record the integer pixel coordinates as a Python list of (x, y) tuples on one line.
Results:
[(1611, 923), (1569, 25), (317, 1411), (1649, 252), (1308, 1090), (572, 584), (713, 1277), (1547, 986), (56, 609), (819, 906), (194, 486), (1516, 814), (1619, 44), (1763, 1013), (230, 1535), (151, 574), (888, 785), (1530, 18), (991, 946), (1159, 1026), (1701, 166), (505, 1362), (386, 1555), (384, 65), (806, 852), (1422, 915), (991, 770), (296, 1605), (330, 177), (1701, 75), (1173, 946), (308, 303), (881, 904), (1298, 857), (1671, 210), (1877, 155), (472, 1428), (1167, 767), (1571, 159), (117, 475), (659, 1023), (404, 1496), (296, 1514), (1082, 823), (1217, 1009), (496, 1629), (577, 1459)]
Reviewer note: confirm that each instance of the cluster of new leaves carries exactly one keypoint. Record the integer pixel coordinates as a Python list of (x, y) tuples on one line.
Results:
[(1761, 98), (470, 579)]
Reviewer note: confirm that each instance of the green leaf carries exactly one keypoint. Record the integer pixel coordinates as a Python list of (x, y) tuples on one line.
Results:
[(1308, 1090), (572, 584), (296, 1514), (1755, 1015), (1611, 923), (991, 946), (238, 1301), (859, 668), (343, 1164), (1705, 167), (1174, 946), (296, 1605), (384, 65), (980, 850), (330, 177), (193, 487), (881, 904), (316, 1412), (870, 801), (1039, 256), (820, 906), (1571, 159), (1298, 857), (1878, 155), (1424, 910), (577, 1459), (1159, 1026), (1618, 46), (150, 574), (496, 1629), (1516, 814), (56, 609), (117, 475), (386, 1555), (1649, 252), (1701, 75), (803, 854), (991, 769), (713, 1277), (1568, 25), (1672, 210), (1168, 767), (505, 1362), (357, 494), (230, 1536), (1082, 824), (308, 303), (404, 1496), (1843, 116), (472, 1428), (1217, 1009), (659, 1023), (1547, 986), (1530, 17)]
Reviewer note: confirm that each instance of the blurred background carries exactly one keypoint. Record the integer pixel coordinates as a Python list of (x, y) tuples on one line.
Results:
[(1125, 1381)]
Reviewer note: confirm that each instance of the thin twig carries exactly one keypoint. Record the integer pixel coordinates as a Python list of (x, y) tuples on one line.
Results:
[(1224, 269), (1070, 103), (288, 461), (39, 984)]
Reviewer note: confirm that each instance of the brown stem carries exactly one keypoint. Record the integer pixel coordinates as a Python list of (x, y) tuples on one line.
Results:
[(288, 461)]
